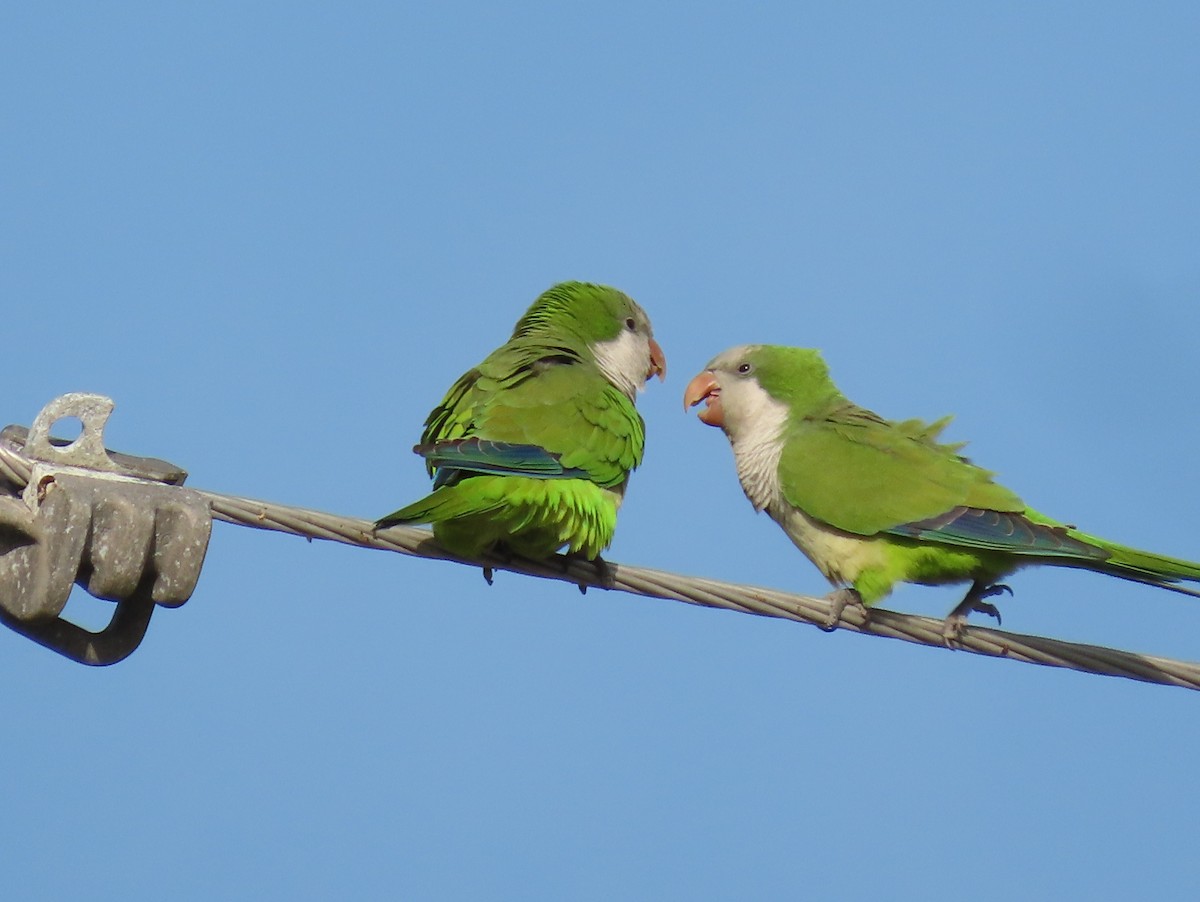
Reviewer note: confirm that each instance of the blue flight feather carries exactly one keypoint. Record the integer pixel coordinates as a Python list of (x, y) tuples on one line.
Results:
[(999, 531), (457, 458)]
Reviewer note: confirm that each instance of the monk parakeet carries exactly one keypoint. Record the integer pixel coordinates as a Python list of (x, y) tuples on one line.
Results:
[(531, 450), (872, 503)]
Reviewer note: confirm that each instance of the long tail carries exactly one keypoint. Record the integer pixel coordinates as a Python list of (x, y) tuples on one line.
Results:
[(1034, 536), (443, 504), (1143, 566)]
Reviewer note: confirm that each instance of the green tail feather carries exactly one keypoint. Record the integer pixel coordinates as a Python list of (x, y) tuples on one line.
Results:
[(531, 517), (444, 504), (1125, 562), (1142, 566)]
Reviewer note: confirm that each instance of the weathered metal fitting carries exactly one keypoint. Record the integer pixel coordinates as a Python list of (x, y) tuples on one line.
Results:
[(120, 526)]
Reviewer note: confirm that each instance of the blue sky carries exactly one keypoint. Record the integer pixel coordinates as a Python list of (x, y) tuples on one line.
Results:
[(275, 233)]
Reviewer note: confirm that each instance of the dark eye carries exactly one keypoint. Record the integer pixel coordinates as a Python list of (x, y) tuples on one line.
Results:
[(744, 368), (630, 323)]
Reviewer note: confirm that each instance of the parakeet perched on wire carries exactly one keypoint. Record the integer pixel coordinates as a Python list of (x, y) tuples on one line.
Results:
[(872, 503), (531, 450)]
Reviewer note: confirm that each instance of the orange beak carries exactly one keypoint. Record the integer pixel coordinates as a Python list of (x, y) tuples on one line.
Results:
[(705, 388), (658, 362)]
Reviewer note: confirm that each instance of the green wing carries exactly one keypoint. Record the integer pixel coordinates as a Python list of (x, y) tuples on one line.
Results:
[(862, 474), (530, 405), (858, 472)]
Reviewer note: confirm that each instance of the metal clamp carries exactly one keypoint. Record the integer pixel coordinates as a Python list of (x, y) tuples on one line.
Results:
[(122, 527)]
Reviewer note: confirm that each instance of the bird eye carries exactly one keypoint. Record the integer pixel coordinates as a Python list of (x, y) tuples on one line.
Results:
[(744, 368), (630, 323)]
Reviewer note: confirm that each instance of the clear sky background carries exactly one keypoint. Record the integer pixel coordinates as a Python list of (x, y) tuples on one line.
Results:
[(276, 233)]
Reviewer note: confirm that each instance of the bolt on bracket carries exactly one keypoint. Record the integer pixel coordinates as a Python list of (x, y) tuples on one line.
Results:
[(120, 526)]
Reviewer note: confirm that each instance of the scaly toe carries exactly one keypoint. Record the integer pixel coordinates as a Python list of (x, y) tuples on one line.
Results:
[(839, 600), (953, 628)]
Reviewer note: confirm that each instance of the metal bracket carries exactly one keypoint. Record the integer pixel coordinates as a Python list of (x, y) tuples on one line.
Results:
[(122, 527)]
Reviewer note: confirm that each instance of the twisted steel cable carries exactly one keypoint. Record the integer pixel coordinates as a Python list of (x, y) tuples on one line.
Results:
[(709, 593)]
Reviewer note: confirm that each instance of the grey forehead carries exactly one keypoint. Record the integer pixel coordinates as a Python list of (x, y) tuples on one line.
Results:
[(731, 356)]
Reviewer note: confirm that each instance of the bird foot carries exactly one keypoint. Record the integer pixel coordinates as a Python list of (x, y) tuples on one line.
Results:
[(502, 553), (839, 600), (604, 570), (955, 623), (605, 575)]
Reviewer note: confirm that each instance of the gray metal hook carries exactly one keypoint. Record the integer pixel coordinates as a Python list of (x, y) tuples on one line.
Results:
[(120, 526)]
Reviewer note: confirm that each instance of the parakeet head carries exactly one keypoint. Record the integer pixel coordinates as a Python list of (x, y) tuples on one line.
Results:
[(609, 323), (743, 385)]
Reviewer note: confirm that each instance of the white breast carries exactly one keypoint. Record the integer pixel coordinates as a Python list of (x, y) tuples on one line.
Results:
[(755, 424)]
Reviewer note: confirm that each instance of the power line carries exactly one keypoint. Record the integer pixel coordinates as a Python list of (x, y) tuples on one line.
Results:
[(716, 594), (710, 593)]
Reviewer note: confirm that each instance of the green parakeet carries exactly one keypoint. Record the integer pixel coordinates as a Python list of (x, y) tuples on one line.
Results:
[(531, 450), (872, 503)]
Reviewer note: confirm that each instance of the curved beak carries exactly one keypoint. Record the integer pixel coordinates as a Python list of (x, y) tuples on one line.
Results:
[(658, 362), (705, 388)]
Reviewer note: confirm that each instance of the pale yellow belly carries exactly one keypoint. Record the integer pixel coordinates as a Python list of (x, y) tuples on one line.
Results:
[(840, 556)]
